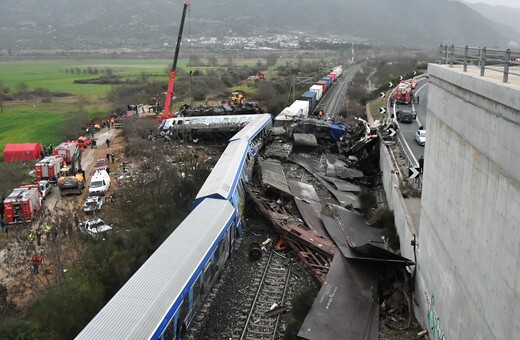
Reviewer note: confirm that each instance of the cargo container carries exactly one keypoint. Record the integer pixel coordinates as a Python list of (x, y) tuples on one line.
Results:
[(48, 168), (339, 71), (318, 89), (332, 77), (328, 80), (21, 205), (311, 98), (324, 84), (298, 109), (67, 150), (285, 117)]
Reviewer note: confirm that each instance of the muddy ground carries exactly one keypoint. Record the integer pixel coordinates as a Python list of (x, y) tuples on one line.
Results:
[(64, 213)]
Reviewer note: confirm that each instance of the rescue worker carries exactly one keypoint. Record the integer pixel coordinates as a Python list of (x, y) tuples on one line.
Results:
[(30, 237), (36, 261), (4, 226), (54, 232), (47, 230), (39, 234)]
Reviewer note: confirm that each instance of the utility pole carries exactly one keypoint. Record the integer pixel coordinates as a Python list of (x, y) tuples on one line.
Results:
[(191, 88), (352, 61)]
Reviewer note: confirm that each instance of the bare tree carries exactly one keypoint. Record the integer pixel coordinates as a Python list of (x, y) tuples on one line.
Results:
[(22, 87), (268, 94)]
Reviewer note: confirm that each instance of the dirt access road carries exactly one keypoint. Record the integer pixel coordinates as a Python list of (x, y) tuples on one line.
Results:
[(16, 250)]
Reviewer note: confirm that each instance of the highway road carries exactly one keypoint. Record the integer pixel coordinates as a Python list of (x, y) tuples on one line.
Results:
[(408, 130)]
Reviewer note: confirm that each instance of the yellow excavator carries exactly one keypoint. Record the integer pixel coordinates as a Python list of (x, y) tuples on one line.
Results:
[(72, 177), (237, 98)]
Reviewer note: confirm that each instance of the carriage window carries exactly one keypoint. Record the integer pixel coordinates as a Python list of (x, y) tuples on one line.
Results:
[(184, 309), (207, 272), (169, 332), (196, 293)]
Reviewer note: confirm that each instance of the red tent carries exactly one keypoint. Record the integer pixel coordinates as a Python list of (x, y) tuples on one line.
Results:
[(25, 152)]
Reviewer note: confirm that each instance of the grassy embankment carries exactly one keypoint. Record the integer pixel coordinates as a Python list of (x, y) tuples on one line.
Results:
[(378, 103)]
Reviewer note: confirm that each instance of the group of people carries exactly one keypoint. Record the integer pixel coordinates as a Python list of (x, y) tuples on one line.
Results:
[(47, 150), (110, 156), (50, 233)]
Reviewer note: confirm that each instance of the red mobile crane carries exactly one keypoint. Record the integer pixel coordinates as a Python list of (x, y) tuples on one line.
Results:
[(169, 94)]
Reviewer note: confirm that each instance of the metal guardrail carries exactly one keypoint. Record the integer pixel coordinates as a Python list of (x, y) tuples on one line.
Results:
[(482, 57)]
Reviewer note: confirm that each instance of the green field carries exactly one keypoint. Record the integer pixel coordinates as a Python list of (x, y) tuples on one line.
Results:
[(35, 121), (41, 122), (55, 75)]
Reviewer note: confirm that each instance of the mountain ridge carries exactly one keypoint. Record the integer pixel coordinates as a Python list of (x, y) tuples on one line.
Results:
[(75, 24)]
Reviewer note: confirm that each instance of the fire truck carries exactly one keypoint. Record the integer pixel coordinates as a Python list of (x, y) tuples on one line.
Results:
[(403, 93), (21, 205)]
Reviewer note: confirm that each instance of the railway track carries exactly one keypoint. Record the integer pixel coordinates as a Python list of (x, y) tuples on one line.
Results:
[(272, 284)]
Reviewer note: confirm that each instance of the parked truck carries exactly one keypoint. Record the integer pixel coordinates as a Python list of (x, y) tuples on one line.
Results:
[(67, 150), (21, 205), (49, 168)]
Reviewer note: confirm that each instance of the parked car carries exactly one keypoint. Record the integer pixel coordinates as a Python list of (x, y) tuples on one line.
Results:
[(102, 164), (95, 227), (405, 116), (45, 187), (93, 203), (99, 184), (420, 137)]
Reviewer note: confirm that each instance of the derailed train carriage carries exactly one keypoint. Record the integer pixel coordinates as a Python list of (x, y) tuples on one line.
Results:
[(162, 298)]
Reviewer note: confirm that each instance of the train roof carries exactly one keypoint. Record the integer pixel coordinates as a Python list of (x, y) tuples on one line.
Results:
[(153, 291), (206, 120), (252, 129), (223, 179)]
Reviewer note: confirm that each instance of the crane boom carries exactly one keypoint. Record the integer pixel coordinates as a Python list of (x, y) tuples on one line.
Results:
[(173, 72)]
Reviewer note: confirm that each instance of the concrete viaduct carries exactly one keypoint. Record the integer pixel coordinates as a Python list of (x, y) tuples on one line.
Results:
[(468, 238)]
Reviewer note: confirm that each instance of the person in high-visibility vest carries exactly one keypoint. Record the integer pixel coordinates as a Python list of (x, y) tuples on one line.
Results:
[(47, 230)]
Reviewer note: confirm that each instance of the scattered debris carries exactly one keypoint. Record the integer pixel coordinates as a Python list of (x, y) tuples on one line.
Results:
[(305, 139), (255, 251), (276, 311), (273, 176)]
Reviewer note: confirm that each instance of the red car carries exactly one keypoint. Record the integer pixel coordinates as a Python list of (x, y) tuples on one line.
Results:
[(101, 164), (83, 142)]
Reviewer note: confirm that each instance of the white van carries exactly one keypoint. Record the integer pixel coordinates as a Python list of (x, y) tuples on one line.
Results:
[(45, 188), (99, 183)]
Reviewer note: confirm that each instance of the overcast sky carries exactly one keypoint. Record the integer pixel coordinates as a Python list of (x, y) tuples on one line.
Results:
[(508, 3)]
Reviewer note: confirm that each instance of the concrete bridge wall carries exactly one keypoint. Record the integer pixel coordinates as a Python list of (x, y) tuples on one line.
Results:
[(468, 278)]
